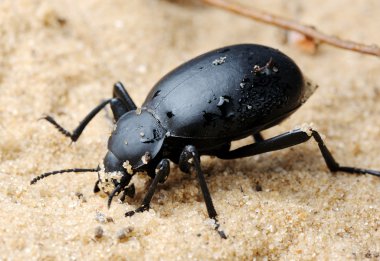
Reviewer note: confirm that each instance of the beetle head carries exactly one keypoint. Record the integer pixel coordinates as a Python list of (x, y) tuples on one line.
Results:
[(134, 146)]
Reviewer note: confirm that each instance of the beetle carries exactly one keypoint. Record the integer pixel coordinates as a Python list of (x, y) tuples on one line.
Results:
[(198, 109)]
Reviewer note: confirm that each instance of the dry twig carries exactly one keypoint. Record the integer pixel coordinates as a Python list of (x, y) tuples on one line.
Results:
[(292, 25)]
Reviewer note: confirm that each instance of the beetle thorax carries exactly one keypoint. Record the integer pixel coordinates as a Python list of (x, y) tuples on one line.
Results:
[(136, 139)]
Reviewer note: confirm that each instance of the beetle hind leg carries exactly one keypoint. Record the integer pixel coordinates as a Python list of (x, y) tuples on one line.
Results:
[(290, 139)]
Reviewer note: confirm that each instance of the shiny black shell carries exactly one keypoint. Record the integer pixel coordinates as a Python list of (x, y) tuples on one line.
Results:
[(227, 94)]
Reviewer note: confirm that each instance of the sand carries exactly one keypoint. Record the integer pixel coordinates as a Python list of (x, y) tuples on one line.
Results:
[(62, 57)]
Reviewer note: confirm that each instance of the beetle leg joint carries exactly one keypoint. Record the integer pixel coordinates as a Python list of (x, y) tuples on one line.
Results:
[(308, 128)]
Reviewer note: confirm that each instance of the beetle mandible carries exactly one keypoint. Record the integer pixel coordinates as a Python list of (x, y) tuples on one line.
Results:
[(198, 109)]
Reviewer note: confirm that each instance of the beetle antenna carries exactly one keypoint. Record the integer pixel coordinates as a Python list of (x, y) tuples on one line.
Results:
[(47, 174)]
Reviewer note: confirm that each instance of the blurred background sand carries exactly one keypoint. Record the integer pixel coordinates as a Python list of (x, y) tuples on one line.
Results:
[(62, 57)]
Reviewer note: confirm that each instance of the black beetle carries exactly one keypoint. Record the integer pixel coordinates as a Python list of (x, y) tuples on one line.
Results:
[(198, 109)]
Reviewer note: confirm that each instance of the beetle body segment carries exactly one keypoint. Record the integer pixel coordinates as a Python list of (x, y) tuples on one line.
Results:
[(138, 138), (227, 93)]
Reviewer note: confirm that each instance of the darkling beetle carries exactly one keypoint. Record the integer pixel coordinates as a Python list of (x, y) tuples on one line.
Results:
[(198, 109)]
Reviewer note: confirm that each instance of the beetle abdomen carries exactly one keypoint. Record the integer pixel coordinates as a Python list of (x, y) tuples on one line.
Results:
[(228, 92)]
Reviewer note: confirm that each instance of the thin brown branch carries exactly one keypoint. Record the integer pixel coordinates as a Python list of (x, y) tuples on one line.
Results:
[(292, 25)]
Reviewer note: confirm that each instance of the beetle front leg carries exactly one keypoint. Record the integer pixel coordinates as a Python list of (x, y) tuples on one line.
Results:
[(190, 158), (162, 171)]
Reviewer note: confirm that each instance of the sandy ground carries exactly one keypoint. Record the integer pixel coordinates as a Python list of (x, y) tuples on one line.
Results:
[(62, 57)]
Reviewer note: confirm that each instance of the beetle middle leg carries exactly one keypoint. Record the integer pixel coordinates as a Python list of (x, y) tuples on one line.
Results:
[(190, 158), (120, 92), (74, 135), (290, 139), (122, 102)]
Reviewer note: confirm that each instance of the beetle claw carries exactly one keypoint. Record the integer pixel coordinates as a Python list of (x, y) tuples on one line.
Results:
[(142, 208), (130, 213)]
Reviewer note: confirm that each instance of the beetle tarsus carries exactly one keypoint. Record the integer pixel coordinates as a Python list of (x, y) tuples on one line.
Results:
[(335, 166), (220, 232), (140, 209), (59, 127), (82, 125), (130, 213)]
